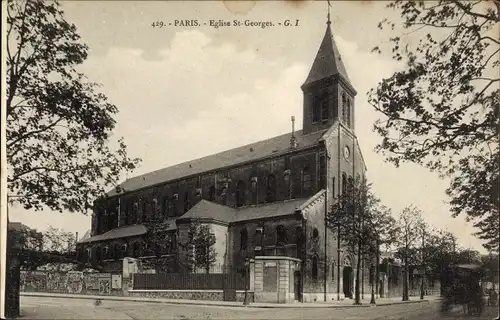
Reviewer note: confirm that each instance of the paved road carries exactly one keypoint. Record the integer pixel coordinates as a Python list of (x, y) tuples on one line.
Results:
[(57, 308)]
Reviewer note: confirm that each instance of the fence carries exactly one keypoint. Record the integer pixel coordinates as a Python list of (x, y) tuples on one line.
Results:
[(218, 278), (74, 282)]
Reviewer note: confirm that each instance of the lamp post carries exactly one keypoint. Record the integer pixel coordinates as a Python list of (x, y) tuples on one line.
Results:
[(423, 265), (247, 273), (372, 300)]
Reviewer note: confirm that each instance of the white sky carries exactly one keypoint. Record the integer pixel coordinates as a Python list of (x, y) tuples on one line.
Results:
[(187, 92)]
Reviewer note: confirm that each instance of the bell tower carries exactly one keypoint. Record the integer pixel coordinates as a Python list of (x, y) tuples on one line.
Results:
[(328, 93)]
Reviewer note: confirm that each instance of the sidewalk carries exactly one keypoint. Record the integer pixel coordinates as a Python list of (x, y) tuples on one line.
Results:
[(322, 304)]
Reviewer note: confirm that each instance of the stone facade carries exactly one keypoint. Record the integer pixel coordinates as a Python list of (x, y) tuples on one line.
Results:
[(265, 199)]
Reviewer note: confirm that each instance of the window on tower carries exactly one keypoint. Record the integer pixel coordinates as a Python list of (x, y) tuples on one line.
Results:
[(344, 107), (316, 110), (324, 108), (348, 113)]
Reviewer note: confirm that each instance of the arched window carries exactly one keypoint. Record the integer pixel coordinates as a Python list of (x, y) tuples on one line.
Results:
[(271, 188), (315, 234), (98, 254), (344, 183), (316, 109), (145, 210), (243, 239), (306, 179), (154, 208), (324, 108), (136, 217), (348, 114), (350, 185), (166, 206), (223, 195), (280, 235), (212, 193), (240, 193), (344, 106), (186, 201), (315, 268), (88, 253)]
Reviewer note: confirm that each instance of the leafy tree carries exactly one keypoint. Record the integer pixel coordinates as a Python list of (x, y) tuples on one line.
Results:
[(442, 109), (361, 223), (197, 250), (59, 128), (58, 240), (158, 241), (409, 221)]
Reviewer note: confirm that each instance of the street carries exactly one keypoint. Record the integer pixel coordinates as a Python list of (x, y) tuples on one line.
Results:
[(58, 308)]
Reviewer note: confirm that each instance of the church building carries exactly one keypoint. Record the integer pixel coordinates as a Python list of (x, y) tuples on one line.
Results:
[(267, 198)]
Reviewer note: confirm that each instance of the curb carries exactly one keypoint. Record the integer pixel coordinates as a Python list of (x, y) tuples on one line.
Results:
[(203, 303)]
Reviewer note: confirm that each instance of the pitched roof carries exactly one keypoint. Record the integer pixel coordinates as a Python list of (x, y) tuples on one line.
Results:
[(268, 210), (120, 232), (328, 61), (210, 210), (273, 146)]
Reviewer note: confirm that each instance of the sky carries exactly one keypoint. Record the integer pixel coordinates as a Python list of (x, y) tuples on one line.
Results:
[(186, 92)]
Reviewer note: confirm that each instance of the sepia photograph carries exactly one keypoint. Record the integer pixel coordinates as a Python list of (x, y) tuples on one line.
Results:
[(250, 159)]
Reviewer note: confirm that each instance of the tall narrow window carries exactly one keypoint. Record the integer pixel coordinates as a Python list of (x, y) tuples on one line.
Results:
[(240, 193), (137, 218), (306, 179), (98, 254), (153, 207), (271, 188), (344, 183), (324, 108), (333, 271), (350, 185), (186, 201), (348, 114), (316, 109), (223, 195), (145, 210), (243, 239), (212, 193), (280, 235), (315, 268), (344, 107)]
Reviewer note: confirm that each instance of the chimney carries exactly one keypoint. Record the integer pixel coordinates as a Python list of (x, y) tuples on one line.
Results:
[(293, 139)]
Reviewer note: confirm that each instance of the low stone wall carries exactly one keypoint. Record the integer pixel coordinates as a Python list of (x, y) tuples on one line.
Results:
[(211, 295)]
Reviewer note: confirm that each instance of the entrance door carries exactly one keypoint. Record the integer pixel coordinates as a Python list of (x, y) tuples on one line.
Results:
[(296, 290), (347, 282)]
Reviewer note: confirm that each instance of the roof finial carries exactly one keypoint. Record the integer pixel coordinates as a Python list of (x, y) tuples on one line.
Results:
[(328, 22)]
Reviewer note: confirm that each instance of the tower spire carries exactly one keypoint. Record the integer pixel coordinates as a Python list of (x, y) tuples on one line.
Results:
[(328, 22)]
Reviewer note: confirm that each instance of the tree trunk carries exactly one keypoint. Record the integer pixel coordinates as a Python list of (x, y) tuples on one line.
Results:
[(405, 281), (357, 299), (377, 270)]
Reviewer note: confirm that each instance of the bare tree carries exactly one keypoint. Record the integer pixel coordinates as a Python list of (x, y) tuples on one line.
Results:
[(408, 224)]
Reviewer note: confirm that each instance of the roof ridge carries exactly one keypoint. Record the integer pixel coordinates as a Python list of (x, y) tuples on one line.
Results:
[(269, 147)]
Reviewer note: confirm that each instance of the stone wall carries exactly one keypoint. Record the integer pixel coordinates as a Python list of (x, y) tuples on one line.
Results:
[(73, 282), (211, 295)]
